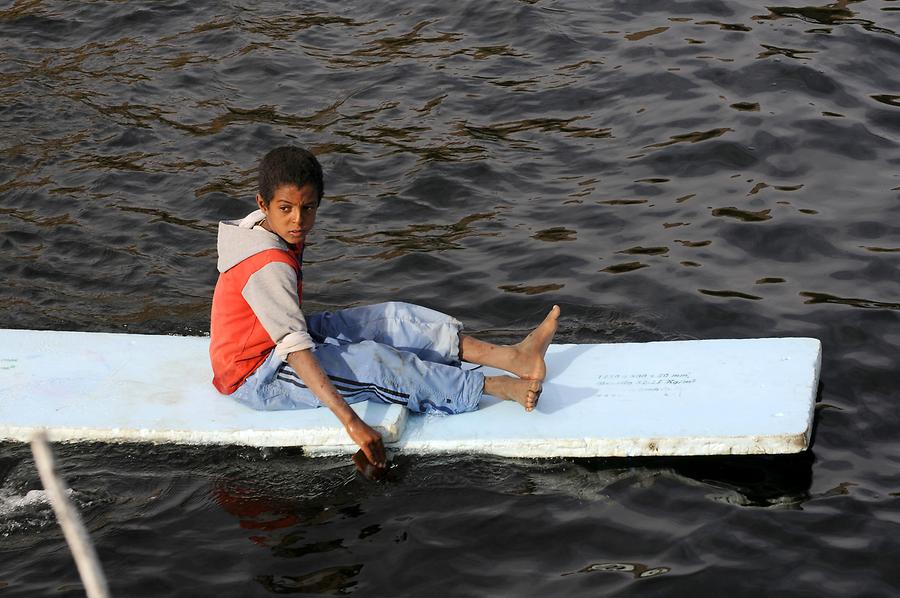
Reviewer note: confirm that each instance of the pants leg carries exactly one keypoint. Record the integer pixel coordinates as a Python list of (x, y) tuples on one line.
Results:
[(366, 369), (427, 333)]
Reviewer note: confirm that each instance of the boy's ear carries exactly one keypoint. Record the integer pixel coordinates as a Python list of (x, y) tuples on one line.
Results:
[(260, 202)]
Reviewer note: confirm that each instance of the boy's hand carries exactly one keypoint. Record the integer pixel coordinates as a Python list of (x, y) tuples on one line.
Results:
[(369, 442), (365, 467), (307, 366)]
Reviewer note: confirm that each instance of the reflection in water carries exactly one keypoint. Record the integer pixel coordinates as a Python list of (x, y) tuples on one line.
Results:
[(397, 46), (557, 233), (323, 529), (733, 294), (624, 267), (787, 52), (504, 131), (890, 100), (330, 580), (695, 137), (743, 215), (837, 13), (814, 298), (531, 290), (281, 26), (645, 251), (756, 481), (638, 570), (419, 238), (162, 216), (633, 37)]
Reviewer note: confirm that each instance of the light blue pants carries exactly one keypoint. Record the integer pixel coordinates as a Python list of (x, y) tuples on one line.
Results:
[(389, 352)]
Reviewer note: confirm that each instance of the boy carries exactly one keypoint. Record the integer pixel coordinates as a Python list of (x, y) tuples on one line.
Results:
[(268, 355)]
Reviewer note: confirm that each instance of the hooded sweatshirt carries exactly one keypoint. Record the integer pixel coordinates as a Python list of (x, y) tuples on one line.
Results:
[(256, 304)]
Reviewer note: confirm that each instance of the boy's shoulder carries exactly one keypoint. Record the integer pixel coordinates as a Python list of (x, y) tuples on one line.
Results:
[(241, 239)]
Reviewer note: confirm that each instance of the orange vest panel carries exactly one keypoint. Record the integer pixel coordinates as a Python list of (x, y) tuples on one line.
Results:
[(238, 342)]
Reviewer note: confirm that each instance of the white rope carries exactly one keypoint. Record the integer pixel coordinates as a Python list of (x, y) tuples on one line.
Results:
[(73, 529)]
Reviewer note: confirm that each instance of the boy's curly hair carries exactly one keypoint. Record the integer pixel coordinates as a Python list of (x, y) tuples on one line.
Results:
[(289, 165)]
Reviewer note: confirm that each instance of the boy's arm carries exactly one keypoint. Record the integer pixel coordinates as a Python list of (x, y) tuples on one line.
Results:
[(271, 293), (307, 367)]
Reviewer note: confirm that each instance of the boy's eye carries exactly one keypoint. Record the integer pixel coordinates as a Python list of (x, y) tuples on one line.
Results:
[(285, 209)]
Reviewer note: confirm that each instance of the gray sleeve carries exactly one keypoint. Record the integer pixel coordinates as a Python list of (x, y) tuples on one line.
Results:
[(272, 294)]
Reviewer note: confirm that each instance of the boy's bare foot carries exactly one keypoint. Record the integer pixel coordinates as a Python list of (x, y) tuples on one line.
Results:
[(528, 361), (524, 392), (524, 359)]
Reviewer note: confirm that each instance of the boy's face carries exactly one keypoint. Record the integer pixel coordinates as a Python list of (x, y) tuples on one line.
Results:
[(292, 212)]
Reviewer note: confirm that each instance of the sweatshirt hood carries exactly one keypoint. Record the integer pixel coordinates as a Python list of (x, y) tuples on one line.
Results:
[(240, 239)]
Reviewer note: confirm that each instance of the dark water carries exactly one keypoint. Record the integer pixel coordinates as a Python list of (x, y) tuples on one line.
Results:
[(662, 170)]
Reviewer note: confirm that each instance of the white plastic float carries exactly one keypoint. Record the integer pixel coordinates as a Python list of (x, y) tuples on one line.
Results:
[(706, 397)]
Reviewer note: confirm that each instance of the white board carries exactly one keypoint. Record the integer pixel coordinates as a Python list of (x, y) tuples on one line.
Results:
[(710, 397), (131, 387)]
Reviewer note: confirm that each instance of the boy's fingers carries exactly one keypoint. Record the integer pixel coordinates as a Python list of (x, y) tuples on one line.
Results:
[(378, 452), (374, 451), (382, 454), (369, 440), (366, 468), (370, 454)]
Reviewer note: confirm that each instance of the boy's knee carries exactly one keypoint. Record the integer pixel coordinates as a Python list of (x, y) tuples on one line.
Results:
[(394, 309)]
